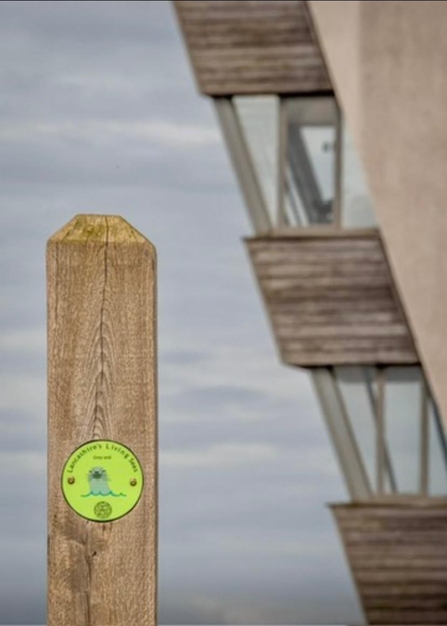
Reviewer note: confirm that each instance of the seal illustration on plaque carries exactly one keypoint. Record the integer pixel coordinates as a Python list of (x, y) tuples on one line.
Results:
[(102, 480), (98, 481)]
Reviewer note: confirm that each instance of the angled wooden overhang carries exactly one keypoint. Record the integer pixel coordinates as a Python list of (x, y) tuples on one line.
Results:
[(397, 553), (252, 47), (331, 298)]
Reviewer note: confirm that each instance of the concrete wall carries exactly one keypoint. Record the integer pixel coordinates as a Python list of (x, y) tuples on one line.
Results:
[(388, 62)]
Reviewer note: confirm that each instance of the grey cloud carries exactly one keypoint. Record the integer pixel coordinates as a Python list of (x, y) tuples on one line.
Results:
[(21, 431), (183, 357), (22, 595), (19, 363)]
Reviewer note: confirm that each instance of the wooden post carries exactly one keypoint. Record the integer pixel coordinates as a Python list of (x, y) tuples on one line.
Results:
[(102, 395)]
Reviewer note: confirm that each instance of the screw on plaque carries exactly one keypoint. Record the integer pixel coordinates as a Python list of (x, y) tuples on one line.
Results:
[(133, 482), (70, 480)]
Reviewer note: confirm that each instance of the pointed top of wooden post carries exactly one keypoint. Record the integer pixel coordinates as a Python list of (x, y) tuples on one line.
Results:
[(99, 229)]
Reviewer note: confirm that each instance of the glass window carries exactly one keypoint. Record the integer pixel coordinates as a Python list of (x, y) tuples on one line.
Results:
[(308, 193), (259, 121), (402, 413), (356, 386), (310, 160), (304, 161), (356, 204), (437, 448), (413, 452)]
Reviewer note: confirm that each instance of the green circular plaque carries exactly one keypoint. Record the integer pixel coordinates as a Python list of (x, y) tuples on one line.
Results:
[(102, 480)]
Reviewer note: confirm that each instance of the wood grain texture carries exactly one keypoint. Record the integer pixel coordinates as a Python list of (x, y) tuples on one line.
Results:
[(331, 300), (254, 46), (398, 558), (102, 384)]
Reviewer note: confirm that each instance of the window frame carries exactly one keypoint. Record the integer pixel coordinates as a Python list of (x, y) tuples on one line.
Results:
[(384, 482), (275, 219), (312, 113)]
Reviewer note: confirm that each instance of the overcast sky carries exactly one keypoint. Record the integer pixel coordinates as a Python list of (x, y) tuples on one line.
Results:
[(99, 113)]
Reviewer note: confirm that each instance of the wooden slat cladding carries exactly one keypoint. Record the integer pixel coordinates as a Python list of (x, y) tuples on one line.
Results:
[(331, 300), (398, 558), (249, 47)]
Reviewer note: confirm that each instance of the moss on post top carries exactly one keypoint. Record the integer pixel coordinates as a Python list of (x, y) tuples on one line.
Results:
[(102, 229)]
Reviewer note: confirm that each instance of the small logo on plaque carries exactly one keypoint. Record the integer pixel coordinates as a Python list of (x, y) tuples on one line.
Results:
[(102, 480)]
